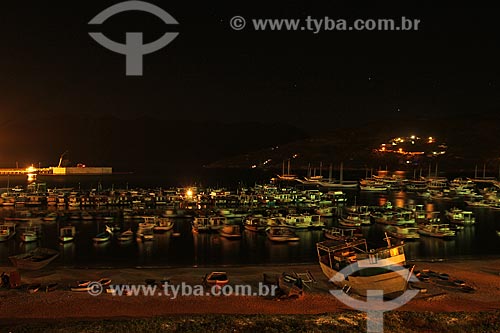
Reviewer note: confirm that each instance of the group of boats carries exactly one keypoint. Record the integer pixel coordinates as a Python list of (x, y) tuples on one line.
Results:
[(409, 223)]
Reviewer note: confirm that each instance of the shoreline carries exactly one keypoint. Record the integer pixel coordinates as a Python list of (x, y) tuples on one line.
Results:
[(18, 306)]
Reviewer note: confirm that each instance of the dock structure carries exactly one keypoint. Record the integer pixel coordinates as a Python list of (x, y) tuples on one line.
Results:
[(56, 171)]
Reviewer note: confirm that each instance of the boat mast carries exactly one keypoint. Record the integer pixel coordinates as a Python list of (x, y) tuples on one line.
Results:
[(387, 239), (341, 172)]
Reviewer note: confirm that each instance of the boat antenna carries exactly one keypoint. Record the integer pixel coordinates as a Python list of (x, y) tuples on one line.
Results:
[(387, 239)]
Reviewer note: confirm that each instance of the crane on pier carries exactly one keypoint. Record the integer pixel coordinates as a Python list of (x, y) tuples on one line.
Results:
[(61, 159)]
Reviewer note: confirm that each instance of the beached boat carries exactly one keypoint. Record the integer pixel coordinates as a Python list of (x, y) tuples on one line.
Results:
[(376, 269), (67, 234), (436, 230), (7, 231), (281, 234), (231, 231), (216, 278), (36, 259)]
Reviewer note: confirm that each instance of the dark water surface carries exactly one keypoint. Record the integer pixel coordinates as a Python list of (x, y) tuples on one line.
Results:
[(192, 249)]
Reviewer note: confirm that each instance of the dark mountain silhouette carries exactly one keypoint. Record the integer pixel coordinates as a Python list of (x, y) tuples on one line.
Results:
[(133, 144), (471, 140)]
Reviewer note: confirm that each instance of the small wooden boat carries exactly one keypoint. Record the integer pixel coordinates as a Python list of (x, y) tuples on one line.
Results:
[(145, 235), (125, 236), (230, 231), (336, 233), (7, 231), (51, 217), (34, 287), (29, 234), (216, 278), (67, 234), (103, 236), (51, 287), (36, 259), (255, 223), (436, 230), (80, 288), (163, 224), (281, 234)]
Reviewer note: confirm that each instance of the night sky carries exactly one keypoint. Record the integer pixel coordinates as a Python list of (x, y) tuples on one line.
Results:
[(49, 65)]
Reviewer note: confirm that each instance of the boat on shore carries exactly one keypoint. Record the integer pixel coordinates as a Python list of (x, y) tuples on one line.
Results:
[(281, 234), (376, 269), (33, 260)]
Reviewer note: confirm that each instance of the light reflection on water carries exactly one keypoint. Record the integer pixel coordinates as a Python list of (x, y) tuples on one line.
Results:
[(210, 249)]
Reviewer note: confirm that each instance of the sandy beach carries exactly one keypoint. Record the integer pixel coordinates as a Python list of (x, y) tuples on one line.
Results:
[(17, 305)]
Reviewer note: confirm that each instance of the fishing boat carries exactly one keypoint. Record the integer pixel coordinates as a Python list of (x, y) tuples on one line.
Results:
[(376, 269), (459, 216), (201, 224), (401, 232), (7, 231), (355, 219), (231, 231), (163, 224), (436, 230), (67, 234), (125, 236), (281, 234), (255, 223), (103, 236), (298, 221), (36, 259)]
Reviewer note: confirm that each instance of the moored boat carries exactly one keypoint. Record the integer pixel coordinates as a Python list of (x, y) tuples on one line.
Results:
[(436, 230), (231, 231), (67, 234), (281, 234), (7, 231)]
